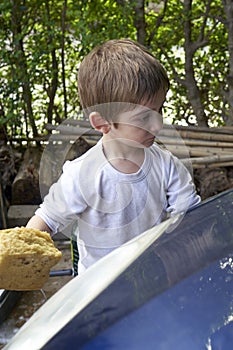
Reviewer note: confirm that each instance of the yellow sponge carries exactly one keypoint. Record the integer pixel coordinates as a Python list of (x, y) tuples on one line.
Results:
[(26, 257)]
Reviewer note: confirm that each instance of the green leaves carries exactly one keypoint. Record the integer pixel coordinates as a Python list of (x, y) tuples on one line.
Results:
[(42, 44)]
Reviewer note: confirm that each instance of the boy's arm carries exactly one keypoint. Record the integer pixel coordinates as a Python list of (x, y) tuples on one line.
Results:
[(182, 193), (37, 223)]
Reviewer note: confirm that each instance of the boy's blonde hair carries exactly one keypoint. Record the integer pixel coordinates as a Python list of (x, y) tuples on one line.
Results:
[(119, 71)]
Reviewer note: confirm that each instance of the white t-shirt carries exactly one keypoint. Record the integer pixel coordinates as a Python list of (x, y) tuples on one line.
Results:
[(111, 207)]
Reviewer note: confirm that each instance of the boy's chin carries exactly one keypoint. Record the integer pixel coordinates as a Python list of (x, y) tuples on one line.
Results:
[(146, 144)]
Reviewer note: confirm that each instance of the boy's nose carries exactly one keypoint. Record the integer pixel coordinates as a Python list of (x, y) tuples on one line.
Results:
[(156, 125)]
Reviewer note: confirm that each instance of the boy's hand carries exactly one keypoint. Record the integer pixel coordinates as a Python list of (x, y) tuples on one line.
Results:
[(37, 223)]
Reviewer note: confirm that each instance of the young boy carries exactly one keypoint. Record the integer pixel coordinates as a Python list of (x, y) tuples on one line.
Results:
[(125, 184)]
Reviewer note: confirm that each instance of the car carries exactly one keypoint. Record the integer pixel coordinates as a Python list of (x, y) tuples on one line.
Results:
[(8, 300), (169, 288)]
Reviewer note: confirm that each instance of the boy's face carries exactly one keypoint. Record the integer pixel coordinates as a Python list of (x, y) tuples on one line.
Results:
[(139, 126)]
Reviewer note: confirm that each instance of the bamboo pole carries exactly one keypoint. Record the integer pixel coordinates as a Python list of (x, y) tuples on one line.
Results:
[(212, 165), (211, 159), (72, 130), (188, 142), (169, 138), (77, 122), (198, 129), (199, 151), (189, 134), (82, 126)]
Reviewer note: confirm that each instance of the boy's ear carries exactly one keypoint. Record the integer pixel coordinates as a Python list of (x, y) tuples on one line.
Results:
[(99, 123)]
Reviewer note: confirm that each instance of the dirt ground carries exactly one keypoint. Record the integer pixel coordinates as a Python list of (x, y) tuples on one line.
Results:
[(32, 300)]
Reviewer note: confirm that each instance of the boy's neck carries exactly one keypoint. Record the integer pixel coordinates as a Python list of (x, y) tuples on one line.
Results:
[(124, 158)]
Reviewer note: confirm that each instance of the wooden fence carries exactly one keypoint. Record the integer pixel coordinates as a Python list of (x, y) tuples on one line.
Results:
[(204, 147)]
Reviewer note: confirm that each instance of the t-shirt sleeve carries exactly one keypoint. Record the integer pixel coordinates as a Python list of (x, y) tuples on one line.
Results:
[(64, 202), (181, 191)]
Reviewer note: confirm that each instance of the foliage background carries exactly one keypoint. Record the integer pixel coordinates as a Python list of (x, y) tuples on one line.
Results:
[(43, 41)]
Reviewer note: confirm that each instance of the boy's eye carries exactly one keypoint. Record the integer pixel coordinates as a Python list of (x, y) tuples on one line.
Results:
[(146, 116), (142, 118)]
